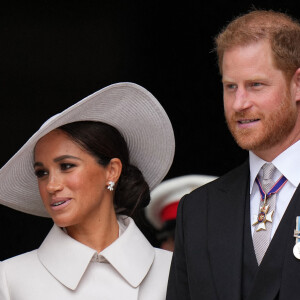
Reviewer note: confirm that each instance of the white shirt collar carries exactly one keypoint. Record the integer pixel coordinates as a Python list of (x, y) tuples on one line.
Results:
[(287, 163), (67, 259)]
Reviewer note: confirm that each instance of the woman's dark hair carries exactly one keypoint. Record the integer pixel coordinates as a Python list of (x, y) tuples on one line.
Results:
[(105, 142)]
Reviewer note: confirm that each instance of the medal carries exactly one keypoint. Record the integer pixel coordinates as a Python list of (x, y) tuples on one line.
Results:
[(264, 215), (296, 249)]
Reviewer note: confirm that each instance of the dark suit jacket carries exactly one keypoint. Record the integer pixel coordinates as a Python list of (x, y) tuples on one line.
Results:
[(208, 257)]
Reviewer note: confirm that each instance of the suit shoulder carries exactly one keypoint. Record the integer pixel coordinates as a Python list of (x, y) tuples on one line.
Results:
[(225, 180)]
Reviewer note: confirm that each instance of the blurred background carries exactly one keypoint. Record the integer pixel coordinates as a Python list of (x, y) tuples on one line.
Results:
[(54, 53)]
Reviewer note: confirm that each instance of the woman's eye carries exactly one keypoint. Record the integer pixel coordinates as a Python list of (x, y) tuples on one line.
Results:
[(66, 166), (40, 173)]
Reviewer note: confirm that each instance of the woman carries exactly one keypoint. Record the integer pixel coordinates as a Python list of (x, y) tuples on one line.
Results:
[(90, 168)]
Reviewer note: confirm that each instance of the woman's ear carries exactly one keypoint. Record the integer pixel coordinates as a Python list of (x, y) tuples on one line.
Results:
[(113, 169)]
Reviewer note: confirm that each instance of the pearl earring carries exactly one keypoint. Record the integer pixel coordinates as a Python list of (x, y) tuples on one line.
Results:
[(110, 186)]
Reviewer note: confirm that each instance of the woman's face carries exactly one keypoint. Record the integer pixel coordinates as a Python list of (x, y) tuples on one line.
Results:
[(71, 182)]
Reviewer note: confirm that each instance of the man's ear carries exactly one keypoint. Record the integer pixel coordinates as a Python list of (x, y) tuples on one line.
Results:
[(296, 85), (113, 170)]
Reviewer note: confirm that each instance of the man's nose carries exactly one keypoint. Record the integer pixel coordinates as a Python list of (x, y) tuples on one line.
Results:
[(242, 100)]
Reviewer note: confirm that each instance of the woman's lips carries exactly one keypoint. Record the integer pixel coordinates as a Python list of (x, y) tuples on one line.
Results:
[(59, 203)]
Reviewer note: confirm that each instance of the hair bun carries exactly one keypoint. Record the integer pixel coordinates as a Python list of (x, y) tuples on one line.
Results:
[(132, 192)]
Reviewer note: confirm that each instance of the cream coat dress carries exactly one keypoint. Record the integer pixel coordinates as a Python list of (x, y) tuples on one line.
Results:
[(62, 268)]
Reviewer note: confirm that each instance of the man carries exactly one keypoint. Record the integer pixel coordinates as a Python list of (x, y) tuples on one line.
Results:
[(235, 237)]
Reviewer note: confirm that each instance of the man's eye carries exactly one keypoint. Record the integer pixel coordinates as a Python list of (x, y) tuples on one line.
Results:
[(66, 166), (256, 84), (40, 173), (230, 86)]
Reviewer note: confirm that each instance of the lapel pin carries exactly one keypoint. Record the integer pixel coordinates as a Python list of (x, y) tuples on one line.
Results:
[(296, 249)]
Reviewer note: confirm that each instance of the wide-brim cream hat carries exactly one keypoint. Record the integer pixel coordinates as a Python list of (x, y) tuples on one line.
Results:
[(165, 197), (128, 107)]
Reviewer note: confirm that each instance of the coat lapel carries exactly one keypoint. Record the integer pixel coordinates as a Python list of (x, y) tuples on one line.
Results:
[(226, 207), (279, 269), (59, 252), (131, 255)]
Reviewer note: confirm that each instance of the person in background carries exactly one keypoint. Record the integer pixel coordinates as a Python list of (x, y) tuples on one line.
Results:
[(238, 237), (162, 210), (91, 168)]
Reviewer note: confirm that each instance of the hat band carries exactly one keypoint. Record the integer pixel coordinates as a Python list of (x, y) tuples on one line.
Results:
[(169, 212)]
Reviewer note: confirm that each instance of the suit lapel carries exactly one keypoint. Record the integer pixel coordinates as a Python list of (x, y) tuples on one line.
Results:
[(226, 207), (279, 261)]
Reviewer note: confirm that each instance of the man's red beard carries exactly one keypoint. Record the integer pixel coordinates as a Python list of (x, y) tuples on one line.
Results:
[(271, 130)]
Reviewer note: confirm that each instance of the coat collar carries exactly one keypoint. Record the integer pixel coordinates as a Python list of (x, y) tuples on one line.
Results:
[(67, 259)]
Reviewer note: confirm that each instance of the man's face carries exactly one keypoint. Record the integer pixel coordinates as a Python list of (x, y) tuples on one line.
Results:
[(259, 110)]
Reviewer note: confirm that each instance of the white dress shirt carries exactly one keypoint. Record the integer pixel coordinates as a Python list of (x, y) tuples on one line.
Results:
[(62, 268), (287, 164)]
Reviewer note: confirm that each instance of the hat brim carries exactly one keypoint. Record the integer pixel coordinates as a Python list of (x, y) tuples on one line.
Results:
[(128, 107), (170, 191)]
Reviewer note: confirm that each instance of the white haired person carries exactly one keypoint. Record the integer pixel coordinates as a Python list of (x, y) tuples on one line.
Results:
[(90, 168), (162, 210)]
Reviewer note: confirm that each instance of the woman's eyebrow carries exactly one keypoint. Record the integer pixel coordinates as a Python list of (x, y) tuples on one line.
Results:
[(57, 159), (37, 164)]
